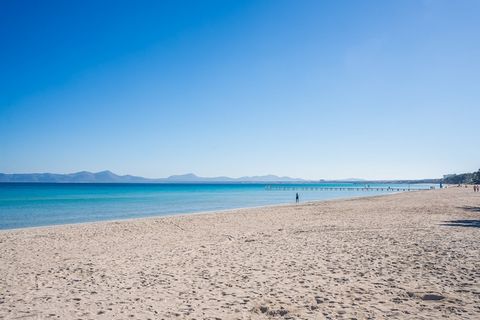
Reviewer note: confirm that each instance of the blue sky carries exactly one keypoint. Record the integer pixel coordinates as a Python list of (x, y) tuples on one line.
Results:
[(312, 89)]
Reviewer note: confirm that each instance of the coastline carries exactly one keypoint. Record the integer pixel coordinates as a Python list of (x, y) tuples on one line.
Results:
[(410, 254), (233, 210)]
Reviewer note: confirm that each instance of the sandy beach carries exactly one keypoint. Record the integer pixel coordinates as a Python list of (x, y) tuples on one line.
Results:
[(404, 256)]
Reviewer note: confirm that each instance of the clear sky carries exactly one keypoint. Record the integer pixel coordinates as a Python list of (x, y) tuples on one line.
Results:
[(312, 89)]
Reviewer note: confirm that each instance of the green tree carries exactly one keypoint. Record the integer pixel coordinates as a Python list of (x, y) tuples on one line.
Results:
[(458, 178), (476, 177)]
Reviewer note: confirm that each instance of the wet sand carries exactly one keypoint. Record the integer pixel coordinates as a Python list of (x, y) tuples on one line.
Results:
[(405, 256)]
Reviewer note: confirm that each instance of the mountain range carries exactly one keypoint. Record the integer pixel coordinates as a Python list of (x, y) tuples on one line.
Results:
[(110, 177)]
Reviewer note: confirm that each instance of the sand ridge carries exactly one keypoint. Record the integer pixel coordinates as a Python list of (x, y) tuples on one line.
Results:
[(405, 256)]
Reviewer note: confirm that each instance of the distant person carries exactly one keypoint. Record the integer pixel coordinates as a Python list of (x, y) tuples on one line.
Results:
[(297, 198)]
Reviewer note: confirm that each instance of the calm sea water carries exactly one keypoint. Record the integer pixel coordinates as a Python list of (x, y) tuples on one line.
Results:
[(33, 204)]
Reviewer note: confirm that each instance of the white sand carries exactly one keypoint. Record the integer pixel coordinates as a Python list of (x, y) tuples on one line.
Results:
[(375, 257)]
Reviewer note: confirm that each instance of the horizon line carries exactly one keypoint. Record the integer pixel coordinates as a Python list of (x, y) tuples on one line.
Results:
[(351, 179)]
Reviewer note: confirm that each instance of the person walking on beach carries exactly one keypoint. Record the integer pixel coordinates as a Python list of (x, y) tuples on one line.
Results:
[(297, 198)]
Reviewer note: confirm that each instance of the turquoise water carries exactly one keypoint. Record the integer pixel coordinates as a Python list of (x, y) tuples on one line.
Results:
[(32, 204)]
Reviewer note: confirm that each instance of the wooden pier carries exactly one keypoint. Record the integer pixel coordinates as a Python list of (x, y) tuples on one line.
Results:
[(305, 188)]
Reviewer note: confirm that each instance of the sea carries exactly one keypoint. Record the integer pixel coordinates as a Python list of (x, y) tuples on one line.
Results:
[(44, 204)]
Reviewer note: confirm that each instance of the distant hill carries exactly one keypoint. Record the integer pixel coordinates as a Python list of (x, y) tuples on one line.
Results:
[(77, 177), (110, 177), (190, 177)]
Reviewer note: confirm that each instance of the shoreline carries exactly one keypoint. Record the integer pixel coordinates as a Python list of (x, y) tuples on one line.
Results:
[(410, 254), (203, 212)]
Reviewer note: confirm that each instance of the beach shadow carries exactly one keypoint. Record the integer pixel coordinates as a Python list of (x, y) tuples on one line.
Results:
[(469, 208), (462, 223)]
